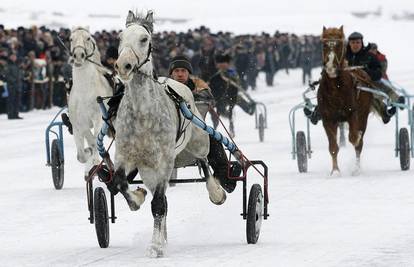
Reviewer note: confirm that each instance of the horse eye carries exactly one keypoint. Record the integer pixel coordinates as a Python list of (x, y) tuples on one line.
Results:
[(89, 38), (70, 40), (144, 40)]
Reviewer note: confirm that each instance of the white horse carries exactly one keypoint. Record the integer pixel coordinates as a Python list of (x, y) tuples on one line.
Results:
[(88, 83), (147, 127)]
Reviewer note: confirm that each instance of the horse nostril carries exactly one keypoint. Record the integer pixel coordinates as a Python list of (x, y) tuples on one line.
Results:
[(82, 55), (74, 55), (128, 66), (116, 66)]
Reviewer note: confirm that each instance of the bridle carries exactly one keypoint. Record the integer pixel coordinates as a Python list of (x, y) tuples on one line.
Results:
[(147, 59), (87, 56), (331, 43)]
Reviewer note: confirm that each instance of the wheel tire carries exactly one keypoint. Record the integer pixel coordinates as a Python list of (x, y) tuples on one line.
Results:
[(254, 214), (301, 154), (101, 217), (404, 149), (261, 127), (57, 165)]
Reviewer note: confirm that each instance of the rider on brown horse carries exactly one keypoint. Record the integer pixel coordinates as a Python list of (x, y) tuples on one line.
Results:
[(358, 55)]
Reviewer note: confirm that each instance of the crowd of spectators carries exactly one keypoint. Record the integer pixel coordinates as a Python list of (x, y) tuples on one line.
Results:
[(34, 65)]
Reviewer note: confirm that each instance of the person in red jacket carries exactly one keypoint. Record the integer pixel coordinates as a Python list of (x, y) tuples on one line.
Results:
[(381, 58)]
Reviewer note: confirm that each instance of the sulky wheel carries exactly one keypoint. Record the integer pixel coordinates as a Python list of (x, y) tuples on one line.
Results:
[(254, 214), (404, 149), (57, 165), (101, 217), (301, 152), (261, 127)]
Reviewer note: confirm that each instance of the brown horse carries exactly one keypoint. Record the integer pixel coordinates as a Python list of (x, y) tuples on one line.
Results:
[(339, 100)]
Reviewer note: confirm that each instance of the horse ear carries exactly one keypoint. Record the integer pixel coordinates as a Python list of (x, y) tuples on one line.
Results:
[(150, 16), (149, 21), (342, 29), (130, 18), (324, 29)]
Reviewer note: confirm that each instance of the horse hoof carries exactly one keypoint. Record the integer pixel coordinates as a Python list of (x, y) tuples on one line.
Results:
[(335, 173), (136, 198), (216, 193), (218, 201), (356, 172), (155, 251)]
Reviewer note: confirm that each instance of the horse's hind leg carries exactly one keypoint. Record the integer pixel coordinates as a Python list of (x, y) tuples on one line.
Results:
[(331, 131), (159, 208), (119, 183), (215, 192)]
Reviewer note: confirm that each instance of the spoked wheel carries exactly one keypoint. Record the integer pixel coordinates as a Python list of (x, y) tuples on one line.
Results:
[(101, 217), (404, 149), (254, 214), (261, 127), (57, 165), (301, 152)]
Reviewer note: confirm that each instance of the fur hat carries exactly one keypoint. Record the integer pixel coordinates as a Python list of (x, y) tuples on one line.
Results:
[(180, 62), (222, 58)]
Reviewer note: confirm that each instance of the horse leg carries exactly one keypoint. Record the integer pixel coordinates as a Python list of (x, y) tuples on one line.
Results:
[(215, 192), (331, 131), (91, 150), (119, 183), (159, 208), (80, 144), (356, 135)]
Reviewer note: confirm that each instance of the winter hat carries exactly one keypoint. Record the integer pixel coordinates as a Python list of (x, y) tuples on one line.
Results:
[(223, 58), (180, 62), (355, 36), (111, 52)]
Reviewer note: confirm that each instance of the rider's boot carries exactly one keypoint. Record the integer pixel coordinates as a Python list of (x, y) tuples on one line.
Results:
[(66, 122), (218, 161), (314, 115), (387, 114)]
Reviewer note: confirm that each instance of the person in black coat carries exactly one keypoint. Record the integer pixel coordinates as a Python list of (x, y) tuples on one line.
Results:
[(14, 82)]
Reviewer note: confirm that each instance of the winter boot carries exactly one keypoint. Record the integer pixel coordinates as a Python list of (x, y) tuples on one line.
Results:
[(67, 123), (218, 161)]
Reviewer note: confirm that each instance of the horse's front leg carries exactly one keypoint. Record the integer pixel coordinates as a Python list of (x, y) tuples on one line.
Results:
[(331, 131), (159, 208)]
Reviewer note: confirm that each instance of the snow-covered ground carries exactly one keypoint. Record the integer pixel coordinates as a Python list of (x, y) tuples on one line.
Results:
[(315, 220)]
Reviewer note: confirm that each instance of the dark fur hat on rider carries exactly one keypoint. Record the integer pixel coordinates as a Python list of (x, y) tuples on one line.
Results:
[(180, 62)]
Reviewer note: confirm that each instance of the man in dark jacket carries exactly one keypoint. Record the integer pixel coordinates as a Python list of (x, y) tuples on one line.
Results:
[(14, 84), (180, 69), (359, 55)]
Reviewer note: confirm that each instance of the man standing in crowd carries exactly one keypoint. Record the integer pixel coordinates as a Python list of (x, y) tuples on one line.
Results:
[(14, 84)]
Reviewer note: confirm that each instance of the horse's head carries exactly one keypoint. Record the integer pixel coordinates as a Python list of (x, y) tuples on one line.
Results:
[(82, 45), (135, 45), (333, 41)]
